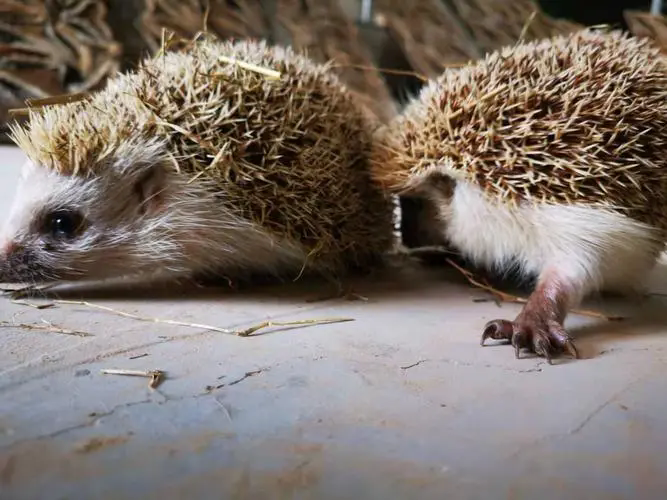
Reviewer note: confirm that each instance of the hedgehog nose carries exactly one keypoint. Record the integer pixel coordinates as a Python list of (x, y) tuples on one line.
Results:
[(7, 248)]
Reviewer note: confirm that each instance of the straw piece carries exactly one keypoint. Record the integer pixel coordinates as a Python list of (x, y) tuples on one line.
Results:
[(269, 73)]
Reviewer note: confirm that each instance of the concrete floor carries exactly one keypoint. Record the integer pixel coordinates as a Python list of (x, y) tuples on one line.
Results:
[(400, 403)]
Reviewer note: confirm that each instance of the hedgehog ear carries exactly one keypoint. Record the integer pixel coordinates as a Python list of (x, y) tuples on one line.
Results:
[(149, 189)]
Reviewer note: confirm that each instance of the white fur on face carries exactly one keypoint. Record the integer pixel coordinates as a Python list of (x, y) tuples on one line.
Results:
[(590, 247), (31, 254), (31, 192), (190, 232)]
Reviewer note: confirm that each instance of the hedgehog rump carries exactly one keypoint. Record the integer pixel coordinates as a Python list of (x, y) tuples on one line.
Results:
[(576, 119)]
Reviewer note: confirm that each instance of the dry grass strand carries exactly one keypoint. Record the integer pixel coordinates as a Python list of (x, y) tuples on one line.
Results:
[(514, 299)]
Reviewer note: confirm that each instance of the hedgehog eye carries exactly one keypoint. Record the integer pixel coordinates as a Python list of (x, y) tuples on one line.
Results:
[(63, 224)]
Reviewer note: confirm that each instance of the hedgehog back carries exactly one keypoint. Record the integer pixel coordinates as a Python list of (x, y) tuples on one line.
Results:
[(292, 154), (572, 119)]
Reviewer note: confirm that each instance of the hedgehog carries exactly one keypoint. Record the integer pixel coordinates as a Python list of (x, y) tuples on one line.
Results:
[(232, 159), (545, 160)]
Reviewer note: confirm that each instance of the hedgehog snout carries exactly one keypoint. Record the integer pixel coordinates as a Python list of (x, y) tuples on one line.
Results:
[(7, 250), (22, 264), (4, 251)]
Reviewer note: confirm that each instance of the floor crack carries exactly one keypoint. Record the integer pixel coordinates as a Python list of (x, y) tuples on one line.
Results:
[(249, 374), (534, 369), (407, 367), (95, 418), (588, 418)]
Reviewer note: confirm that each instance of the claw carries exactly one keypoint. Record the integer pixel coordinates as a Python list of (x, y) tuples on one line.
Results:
[(571, 349), (497, 330), (539, 328), (547, 341), (490, 330), (542, 346)]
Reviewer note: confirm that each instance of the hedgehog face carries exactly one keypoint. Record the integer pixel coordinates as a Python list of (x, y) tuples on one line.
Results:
[(64, 227)]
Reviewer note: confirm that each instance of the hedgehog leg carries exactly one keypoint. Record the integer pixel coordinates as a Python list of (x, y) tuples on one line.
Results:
[(539, 325)]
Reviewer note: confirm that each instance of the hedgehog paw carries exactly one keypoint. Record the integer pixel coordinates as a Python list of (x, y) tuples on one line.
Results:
[(543, 337)]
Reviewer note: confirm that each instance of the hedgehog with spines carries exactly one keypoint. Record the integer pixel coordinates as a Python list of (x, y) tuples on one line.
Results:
[(198, 165), (546, 157)]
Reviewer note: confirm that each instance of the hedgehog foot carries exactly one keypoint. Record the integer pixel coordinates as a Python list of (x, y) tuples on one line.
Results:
[(539, 326), (544, 338)]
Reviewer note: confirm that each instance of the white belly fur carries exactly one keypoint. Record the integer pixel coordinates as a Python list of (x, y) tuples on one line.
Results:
[(593, 248)]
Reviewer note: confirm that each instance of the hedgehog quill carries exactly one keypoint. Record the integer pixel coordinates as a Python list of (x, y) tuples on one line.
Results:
[(194, 167), (546, 157)]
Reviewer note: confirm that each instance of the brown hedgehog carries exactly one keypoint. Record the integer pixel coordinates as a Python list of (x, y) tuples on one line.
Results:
[(197, 165), (547, 157)]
